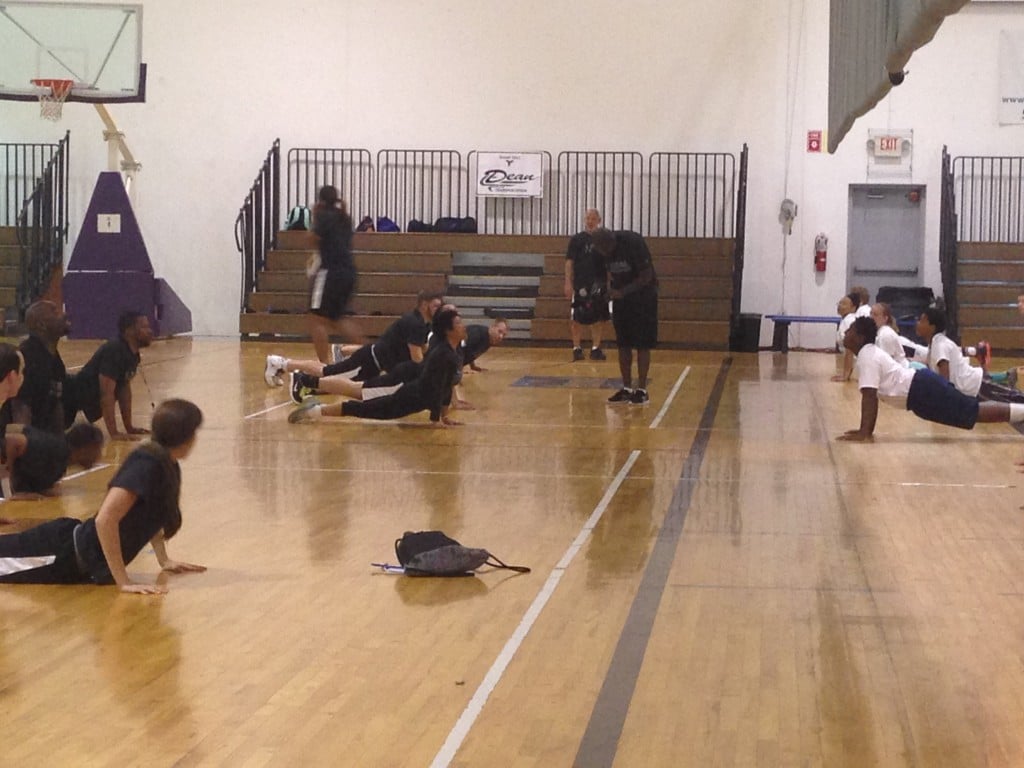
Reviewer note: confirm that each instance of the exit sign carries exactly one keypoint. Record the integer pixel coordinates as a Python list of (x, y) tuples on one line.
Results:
[(888, 146)]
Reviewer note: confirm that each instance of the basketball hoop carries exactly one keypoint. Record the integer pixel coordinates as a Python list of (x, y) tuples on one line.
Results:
[(52, 96)]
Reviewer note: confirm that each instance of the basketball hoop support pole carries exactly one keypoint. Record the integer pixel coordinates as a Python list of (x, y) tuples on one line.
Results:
[(119, 156)]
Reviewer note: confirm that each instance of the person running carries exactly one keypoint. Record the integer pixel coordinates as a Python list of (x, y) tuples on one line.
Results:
[(37, 460), (141, 506), (586, 286), (106, 380), (334, 280), (633, 288), (430, 391), (922, 391)]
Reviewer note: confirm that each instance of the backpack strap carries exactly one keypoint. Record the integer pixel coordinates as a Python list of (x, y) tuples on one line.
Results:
[(499, 564)]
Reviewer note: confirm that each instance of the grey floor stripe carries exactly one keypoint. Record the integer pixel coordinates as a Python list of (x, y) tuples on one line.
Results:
[(601, 739)]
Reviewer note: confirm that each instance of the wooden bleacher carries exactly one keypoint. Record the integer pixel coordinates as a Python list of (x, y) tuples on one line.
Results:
[(990, 277), (694, 275)]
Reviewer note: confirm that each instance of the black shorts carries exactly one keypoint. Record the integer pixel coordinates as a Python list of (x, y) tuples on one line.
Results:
[(636, 321), (331, 293), (933, 398), (589, 306)]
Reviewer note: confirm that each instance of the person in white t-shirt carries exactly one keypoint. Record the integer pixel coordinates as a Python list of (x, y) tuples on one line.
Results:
[(847, 311), (862, 301), (888, 336), (924, 392), (944, 354)]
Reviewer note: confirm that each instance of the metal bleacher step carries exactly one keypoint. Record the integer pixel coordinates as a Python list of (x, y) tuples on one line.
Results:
[(490, 285)]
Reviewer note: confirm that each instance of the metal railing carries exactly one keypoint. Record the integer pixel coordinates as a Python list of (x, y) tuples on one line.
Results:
[(350, 170), (671, 194), (948, 245), (258, 221), (740, 234), (22, 167), (612, 182), (42, 226), (421, 184), (691, 194), (989, 199)]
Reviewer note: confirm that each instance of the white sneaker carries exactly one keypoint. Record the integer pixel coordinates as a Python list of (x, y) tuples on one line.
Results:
[(309, 411), (336, 354), (274, 371)]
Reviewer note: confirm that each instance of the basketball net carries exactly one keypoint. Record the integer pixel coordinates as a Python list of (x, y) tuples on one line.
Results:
[(51, 101)]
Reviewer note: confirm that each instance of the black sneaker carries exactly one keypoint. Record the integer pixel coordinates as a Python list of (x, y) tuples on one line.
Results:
[(577, 354), (639, 397), (622, 396), (300, 390), (596, 353)]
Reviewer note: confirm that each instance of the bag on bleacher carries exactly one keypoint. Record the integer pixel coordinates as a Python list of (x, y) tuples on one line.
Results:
[(415, 225), (298, 218), (384, 224), (457, 224)]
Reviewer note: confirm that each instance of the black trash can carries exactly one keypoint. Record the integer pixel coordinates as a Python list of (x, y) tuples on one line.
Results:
[(746, 333)]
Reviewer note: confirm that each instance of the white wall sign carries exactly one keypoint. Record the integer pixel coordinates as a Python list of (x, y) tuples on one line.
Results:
[(1011, 78), (109, 223), (510, 174)]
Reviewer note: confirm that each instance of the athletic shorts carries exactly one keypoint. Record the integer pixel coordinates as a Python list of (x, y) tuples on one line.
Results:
[(331, 293), (636, 321), (933, 398)]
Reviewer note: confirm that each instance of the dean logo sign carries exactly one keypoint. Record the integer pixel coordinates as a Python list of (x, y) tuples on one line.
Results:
[(495, 178), (510, 174)]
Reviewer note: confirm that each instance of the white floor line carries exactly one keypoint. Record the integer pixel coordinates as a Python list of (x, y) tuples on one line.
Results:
[(475, 706), (953, 485), (671, 397), (268, 410), (84, 472)]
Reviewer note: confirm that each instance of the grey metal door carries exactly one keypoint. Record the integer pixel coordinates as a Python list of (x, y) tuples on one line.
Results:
[(885, 236)]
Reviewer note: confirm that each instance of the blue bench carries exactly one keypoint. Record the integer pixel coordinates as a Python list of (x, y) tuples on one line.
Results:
[(780, 336)]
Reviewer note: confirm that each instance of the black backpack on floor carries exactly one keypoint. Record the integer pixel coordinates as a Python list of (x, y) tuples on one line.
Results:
[(432, 553)]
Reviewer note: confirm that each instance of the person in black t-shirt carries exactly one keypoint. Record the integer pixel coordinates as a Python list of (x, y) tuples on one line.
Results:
[(106, 379), (405, 339), (430, 391), (586, 287), (633, 288), (40, 401), (37, 460), (334, 281), (480, 338), (141, 506), (11, 377)]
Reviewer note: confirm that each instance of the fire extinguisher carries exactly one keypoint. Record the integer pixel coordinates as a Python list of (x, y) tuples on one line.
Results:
[(820, 252)]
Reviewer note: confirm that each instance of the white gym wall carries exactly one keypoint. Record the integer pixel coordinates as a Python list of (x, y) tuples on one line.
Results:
[(226, 78)]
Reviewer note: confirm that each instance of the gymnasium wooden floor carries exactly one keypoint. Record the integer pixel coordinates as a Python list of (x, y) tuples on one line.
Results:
[(716, 582)]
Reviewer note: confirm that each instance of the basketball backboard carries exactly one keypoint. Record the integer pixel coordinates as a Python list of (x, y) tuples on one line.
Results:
[(98, 45)]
